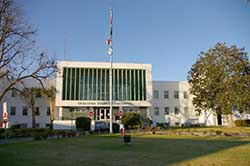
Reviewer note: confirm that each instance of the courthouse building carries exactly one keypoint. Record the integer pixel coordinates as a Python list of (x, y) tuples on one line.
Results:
[(83, 87)]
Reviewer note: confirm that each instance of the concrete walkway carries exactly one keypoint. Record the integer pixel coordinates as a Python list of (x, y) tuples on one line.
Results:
[(23, 139), (14, 140)]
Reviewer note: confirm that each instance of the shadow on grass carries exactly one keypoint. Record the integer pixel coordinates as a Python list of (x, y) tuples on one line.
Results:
[(170, 150), (111, 151)]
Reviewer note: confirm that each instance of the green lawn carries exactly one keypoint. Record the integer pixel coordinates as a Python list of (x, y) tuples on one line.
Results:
[(106, 150)]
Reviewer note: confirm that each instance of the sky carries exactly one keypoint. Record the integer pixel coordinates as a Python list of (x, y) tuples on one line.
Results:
[(169, 34)]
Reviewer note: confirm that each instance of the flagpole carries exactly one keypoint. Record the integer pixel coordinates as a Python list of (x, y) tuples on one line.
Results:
[(110, 75), (110, 94)]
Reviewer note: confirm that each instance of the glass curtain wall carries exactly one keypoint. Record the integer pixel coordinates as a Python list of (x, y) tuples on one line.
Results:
[(93, 84)]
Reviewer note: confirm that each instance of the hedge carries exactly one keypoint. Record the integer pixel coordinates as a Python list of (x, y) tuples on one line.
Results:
[(242, 123), (36, 133), (27, 132)]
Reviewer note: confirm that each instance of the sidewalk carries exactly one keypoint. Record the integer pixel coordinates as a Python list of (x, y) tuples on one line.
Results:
[(14, 140)]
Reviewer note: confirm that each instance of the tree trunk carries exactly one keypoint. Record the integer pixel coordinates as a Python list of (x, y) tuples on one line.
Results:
[(51, 105), (33, 116)]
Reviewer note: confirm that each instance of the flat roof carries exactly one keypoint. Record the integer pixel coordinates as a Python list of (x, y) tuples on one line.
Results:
[(103, 64)]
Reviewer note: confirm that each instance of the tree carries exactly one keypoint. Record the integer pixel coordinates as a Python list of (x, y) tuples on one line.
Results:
[(220, 80), (51, 94), (29, 96), (18, 58)]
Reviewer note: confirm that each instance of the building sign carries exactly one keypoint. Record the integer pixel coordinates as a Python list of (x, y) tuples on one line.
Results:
[(104, 103)]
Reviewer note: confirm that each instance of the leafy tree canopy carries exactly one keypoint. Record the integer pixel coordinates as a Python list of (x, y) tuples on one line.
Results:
[(220, 80)]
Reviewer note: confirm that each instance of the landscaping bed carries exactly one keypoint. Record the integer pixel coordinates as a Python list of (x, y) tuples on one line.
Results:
[(201, 131), (39, 133)]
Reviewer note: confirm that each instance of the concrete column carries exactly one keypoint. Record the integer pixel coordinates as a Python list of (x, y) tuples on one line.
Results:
[(60, 113), (149, 113)]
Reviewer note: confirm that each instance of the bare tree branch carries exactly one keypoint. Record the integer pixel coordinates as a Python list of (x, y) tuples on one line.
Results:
[(18, 58)]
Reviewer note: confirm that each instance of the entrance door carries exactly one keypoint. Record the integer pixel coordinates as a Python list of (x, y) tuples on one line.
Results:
[(103, 114), (219, 119)]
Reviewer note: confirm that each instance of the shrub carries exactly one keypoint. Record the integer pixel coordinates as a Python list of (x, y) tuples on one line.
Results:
[(16, 126), (2, 131), (162, 125), (40, 135), (242, 123), (248, 122), (83, 123), (26, 132), (145, 122), (218, 132), (132, 120)]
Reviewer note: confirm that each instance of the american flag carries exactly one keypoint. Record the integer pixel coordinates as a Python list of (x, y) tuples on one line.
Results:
[(109, 41)]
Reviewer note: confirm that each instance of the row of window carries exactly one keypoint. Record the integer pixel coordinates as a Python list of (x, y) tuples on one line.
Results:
[(93, 84), (166, 94), (167, 111), (25, 111)]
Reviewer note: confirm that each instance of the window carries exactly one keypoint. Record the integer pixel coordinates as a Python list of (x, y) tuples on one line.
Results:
[(93, 84), (166, 110), (156, 111), (37, 111), (166, 96), (176, 94), (185, 95), (186, 111), (47, 125), (37, 125), (48, 111), (177, 123), (13, 93), (12, 111), (156, 94), (25, 111), (176, 110)]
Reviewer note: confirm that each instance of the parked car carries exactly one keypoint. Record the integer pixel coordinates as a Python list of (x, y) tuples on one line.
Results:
[(101, 126)]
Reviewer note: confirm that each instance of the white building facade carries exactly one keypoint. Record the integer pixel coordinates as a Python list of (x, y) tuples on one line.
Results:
[(172, 105), (19, 109), (83, 87)]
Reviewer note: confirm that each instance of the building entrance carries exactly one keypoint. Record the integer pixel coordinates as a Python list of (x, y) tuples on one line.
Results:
[(219, 119), (103, 114)]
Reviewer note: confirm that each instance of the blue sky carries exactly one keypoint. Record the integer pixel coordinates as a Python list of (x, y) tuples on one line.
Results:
[(169, 34)]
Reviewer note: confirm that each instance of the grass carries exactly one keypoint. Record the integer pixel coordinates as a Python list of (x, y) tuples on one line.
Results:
[(146, 150)]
